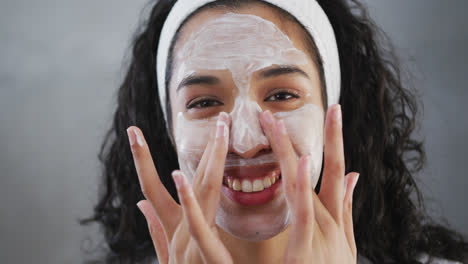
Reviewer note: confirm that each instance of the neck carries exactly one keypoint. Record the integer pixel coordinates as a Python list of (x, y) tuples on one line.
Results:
[(264, 251)]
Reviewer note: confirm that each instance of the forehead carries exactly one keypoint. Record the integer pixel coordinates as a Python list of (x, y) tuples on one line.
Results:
[(256, 26), (243, 41)]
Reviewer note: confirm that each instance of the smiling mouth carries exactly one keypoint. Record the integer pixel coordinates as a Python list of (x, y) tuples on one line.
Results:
[(248, 185), (252, 185)]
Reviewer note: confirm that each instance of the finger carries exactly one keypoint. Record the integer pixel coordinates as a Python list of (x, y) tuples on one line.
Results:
[(325, 221), (212, 180), (197, 179), (165, 207), (351, 179), (283, 151), (210, 246), (302, 228), (156, 231), (331, 190)]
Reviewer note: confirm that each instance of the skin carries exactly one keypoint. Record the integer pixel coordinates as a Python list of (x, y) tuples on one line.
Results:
[(321, 225)]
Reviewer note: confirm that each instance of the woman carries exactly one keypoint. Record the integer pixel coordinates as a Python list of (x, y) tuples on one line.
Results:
[(239, 103)]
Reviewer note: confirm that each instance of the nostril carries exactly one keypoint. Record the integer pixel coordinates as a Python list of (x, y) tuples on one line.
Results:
[(264, 151), (259, 149), (244, 138)]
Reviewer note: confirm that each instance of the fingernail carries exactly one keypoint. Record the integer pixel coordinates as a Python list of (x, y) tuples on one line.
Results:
[(177, 176), (337, 114), (131, 136), (281, 127), (139, 138), (222, 129), (268, 116), (220, 126), (141, 208), (355, 180), (147, 217), (143, 211), (223, 116), (346, 180)]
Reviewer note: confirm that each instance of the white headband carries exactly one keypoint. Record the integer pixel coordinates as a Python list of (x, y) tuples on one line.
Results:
[(308, 12)]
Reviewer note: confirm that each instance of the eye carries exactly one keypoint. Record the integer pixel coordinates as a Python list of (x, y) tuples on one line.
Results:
[(281, 96), (203, 103)]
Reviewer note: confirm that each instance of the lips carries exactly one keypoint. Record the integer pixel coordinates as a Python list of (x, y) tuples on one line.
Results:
[(252, 185)]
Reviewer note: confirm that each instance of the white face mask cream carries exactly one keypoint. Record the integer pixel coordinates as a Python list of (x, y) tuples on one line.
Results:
[(244, 44)]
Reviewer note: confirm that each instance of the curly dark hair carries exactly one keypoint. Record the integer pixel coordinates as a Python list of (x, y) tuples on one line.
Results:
[(379, 116)]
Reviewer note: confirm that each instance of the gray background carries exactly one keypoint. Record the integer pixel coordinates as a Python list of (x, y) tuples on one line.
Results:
[(61, 63)]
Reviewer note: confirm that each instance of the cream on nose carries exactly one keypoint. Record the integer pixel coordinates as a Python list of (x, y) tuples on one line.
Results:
[(246, 132)]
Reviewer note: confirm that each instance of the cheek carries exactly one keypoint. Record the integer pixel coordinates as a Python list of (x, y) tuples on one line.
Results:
[(305, 128), (191, 137)]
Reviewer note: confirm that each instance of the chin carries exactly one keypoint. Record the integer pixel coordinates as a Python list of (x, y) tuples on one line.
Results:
[(253, 223)]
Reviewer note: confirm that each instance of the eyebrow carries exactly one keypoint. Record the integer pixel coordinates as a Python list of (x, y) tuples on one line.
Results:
[(198, 79), (212, 80), (281, 70)]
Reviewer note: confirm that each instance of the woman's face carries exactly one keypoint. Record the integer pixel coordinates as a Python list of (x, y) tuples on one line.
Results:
[(244, 63)]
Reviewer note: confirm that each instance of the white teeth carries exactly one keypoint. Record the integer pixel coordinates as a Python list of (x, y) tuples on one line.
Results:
[(246, 186), (257, 186), (266, 182), (236, 185)]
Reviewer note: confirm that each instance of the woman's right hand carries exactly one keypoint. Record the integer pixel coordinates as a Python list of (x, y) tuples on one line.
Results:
[(184, 233)]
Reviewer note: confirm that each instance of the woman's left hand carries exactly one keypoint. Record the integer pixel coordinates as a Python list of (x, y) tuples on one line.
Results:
[(322, 225)]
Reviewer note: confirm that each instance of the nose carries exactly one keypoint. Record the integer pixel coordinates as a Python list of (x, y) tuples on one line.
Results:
[(247, 137), (251, 152)]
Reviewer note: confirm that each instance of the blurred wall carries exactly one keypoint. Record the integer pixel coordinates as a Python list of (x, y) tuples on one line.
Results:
[(431, 37), (61, 64)]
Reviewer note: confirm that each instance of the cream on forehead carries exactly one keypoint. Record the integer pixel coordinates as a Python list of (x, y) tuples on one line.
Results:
[(240, 43)]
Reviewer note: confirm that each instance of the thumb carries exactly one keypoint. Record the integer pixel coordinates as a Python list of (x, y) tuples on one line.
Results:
[(156, 231)]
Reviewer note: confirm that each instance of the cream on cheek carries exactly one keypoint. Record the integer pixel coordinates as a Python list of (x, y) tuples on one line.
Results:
[(191, 137), (305, 129), (304, 126)]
